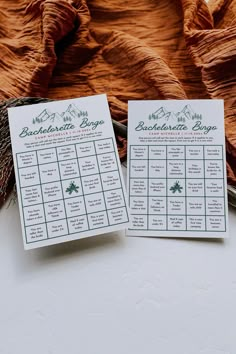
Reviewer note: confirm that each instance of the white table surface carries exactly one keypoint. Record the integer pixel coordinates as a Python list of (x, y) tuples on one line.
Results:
[(112, 294)]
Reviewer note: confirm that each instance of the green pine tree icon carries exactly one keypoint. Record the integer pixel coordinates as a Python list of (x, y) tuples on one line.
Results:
[(72, 188), (176, 187)]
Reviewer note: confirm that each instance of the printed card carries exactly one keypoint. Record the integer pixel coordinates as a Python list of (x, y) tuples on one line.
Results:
[(177, 183), (67, 168)]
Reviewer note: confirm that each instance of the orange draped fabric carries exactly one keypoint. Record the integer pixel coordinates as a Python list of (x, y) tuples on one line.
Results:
[(136, 49)]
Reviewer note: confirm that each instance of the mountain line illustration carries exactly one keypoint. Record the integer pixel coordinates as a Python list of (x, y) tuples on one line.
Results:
[(71, 113), (187, 113)]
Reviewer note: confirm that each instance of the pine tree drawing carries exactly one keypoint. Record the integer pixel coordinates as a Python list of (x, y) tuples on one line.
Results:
[(176, 187), (197, 116), (72, 188), (83, 114)]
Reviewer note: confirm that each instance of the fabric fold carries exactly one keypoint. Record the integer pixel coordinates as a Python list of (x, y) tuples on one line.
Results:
[(214, 51), (140, 49)]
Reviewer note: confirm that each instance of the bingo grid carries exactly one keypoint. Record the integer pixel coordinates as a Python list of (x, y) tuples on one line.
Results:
[(70, 189), (178, 188)]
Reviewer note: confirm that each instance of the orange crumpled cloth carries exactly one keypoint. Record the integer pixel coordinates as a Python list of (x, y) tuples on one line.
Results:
[(136, 49)]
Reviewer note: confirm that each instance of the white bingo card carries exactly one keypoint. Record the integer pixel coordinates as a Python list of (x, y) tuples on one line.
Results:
[(177, 183), (67, 168)]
